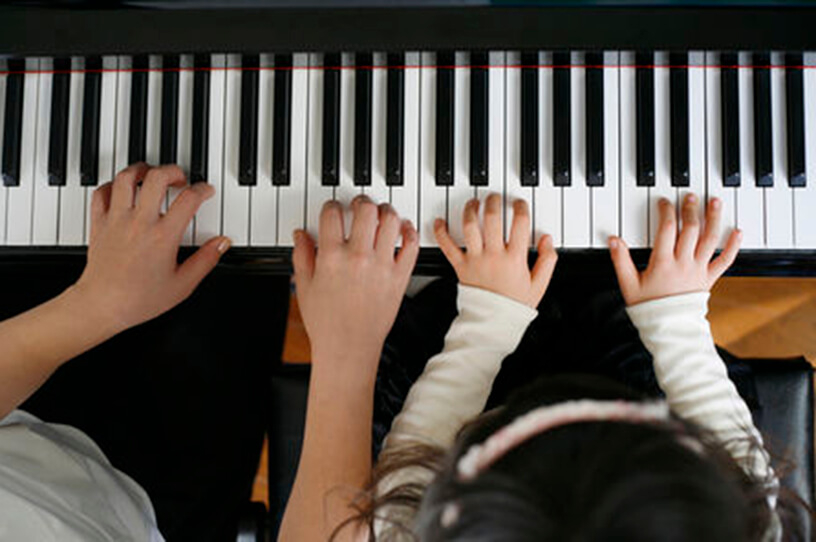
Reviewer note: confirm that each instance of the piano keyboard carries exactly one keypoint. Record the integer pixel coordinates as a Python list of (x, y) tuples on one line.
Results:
[(591, 140)]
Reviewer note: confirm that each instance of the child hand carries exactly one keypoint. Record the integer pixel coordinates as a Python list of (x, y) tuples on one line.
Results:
[(678, 263), (350, 292), (132, 274), (492, 264)]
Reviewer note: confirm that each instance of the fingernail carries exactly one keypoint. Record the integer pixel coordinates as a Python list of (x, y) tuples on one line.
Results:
[(691, 198), (439, 223), (613, 243), (716, 203), (224, 245)]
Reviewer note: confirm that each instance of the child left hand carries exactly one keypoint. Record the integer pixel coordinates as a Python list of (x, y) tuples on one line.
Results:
[(492, 264)]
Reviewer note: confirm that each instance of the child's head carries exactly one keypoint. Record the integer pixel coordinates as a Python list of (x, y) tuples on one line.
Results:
[(640, 480)]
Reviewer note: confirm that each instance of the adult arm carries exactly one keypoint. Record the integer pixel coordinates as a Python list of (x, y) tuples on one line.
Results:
[(131, 276)]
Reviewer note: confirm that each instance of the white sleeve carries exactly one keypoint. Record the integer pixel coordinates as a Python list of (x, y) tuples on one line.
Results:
[(694, 377), (456, 383)]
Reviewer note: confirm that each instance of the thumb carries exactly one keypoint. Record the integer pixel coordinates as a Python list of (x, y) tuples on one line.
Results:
[(198, 266), (628, 277), (303, 256)]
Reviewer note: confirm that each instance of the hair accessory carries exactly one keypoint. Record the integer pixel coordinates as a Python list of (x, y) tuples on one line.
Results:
[(450, 515), (480, 456)]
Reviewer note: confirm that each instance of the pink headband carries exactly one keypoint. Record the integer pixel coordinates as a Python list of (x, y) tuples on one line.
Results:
[(480, 456)]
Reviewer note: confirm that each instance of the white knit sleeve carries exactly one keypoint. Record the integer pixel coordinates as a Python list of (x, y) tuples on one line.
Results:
[(675, 331)]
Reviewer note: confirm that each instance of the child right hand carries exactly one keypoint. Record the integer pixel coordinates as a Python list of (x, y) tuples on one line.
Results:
[(678, 263), (492, 264)]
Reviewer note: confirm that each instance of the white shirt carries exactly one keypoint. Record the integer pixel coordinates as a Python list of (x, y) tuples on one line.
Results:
[(57, 485)]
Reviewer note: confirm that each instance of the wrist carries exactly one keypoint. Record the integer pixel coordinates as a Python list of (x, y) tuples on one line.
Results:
[(103, 319), (347, 370)]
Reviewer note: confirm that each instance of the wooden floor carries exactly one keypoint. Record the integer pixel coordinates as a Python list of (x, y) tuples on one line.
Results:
[(750, 317)]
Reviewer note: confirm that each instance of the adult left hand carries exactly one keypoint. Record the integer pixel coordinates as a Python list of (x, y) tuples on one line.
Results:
[(132, 274)]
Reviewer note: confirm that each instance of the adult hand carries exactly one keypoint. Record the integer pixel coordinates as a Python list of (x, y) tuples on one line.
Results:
[(132, 274), (678, 263), (349, 291), (492, 264)]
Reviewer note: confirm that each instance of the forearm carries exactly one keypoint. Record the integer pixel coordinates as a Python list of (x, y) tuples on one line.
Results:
[(34, 344), (335, 461)]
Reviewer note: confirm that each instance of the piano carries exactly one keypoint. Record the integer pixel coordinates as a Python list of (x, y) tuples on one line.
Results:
[(589, 113)]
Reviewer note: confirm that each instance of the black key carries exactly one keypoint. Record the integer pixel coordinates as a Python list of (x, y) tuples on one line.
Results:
[(594, 119), (331, 120), (794, 99), (729, 97), (248, 150), (561, 119), (89, 151), (529, 119), (13, 128), (137, 143), (362, 120), (169, 113), (58, 131), (444, 118), (201, 119), (645, 119), (679, 119), (395, 120), (478, 119), (763, 150), (282, 121)]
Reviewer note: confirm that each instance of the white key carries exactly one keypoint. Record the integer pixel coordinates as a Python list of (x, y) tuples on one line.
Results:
[(123, 82), (495, 128), (714, 139), (316, 193), (184, 134), (750, 204), (154, 107), (208, 221), (346, 190), (605, 198), (779, 198), (662, 145), (697, 130), (634, 199), (3, 190), (805, 198), (46, 198), (107, 134), (21, 198), (433, 198), (548, 197), (73, 210), (236, 197), (292, 199), (577, 203), (263, 227), (378, 191), (404, 198), (513, 189), (461, 191)]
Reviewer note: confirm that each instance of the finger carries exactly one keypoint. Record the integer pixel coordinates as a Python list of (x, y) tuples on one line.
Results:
[(123, 193), (303, 257), (722, 262), (387, 232), (666, 231), (203, 260), (690, 234), (711, 232), (406, 259), (447, 245), (544, 266), (100, 202), (493, 227), (627, 273), (520, 229), (330, 229), (186, 205), (154, 190), (470, 227), (363, 224)]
